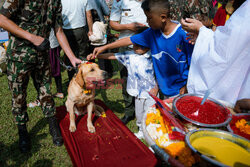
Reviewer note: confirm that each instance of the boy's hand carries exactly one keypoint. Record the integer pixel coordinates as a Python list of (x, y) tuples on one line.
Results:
[(91, 56), (183, 90), (154, 91), (99, 50)]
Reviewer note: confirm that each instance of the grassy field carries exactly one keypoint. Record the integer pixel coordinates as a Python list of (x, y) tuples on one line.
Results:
[(43, 152)]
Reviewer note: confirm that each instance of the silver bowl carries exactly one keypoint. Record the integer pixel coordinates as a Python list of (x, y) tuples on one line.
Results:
[(228, 126), (228, 119), (194, 134)]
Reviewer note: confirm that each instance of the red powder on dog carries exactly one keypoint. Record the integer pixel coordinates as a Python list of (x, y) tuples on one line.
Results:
[(209, 112)]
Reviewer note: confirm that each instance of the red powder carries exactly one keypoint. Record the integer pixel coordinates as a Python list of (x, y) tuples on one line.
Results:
[(209, 112)]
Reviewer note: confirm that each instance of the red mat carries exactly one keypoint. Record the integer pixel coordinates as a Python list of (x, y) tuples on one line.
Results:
[(113, 144)]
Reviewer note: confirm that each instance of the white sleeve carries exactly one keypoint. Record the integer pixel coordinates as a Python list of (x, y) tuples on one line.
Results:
[(121, 57), (116, 11), (89, 6), (97, 34)]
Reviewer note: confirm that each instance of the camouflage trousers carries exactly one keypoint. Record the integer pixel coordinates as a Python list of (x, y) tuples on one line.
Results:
[(18, 74)]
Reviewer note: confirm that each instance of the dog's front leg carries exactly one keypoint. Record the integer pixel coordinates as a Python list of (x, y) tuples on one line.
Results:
[(90, 125), (70, 108)]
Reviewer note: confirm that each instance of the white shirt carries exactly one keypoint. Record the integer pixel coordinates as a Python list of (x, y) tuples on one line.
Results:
[(53, 40), (127, 11), (221, 59), (99, 36), (74, 13), (141, 77)]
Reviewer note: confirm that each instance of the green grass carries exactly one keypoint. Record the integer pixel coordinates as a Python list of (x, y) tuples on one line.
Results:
[(43, 152)]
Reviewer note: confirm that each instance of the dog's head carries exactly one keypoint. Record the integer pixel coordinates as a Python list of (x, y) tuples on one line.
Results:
[(88, 74)]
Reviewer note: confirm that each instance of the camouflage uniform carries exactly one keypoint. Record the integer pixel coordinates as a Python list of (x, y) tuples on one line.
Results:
[(198, 9), (36, 17)]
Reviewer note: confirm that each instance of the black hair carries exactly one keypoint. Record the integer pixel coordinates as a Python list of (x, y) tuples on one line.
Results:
[(156, 5), (95, 16)]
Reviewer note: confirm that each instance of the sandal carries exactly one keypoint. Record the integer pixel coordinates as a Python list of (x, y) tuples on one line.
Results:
[(59, 95), (33, 104)]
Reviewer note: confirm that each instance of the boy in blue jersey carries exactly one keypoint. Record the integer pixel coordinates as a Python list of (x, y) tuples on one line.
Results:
[(171, 51)]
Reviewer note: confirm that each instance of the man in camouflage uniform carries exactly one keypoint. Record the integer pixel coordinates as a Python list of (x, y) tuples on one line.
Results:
[(196, 9), (30, 23)]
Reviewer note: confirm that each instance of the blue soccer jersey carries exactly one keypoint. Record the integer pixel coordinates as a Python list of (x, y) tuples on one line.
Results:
[(171, 56)]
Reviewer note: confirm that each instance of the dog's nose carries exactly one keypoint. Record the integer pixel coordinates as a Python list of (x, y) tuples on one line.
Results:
[(105, 74)]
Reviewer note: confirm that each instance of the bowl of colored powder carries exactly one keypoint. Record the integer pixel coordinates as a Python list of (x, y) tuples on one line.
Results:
[(211, 114), (240, 125), (219, 147)]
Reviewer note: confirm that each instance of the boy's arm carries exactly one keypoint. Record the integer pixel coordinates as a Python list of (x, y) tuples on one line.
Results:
[(119, 43), (110, 56)]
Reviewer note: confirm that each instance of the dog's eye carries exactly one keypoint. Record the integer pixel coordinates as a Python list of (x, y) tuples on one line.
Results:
[(92, 69)]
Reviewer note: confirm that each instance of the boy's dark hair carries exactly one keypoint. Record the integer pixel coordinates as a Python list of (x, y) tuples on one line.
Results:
[(95, 16), (156, 5)]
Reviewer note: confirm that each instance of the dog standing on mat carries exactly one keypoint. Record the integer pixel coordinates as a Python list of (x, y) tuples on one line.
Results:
[(81, 93)]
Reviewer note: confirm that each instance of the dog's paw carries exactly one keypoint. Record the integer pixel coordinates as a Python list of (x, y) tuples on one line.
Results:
[(91, 129), (72, 128)]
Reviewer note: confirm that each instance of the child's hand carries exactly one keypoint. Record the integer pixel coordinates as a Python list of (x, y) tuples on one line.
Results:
[(183, 90), (90, 57), (154, 91), (98, 50)]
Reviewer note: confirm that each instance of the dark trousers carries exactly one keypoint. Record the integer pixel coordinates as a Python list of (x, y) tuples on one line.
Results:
[(79, 43)]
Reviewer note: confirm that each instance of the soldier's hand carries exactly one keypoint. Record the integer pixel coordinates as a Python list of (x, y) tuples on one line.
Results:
[(37, 40), (135, 26)]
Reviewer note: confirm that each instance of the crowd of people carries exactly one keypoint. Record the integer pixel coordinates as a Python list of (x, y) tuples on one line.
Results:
[(166, 47)]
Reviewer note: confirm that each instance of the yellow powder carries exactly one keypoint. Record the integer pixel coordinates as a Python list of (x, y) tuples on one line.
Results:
[(225, 151)]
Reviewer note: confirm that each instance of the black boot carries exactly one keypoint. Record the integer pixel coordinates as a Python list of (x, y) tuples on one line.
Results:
[(55, 131), (24, 140)]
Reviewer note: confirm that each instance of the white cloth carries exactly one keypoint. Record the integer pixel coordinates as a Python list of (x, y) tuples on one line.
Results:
[(221, 59), (53, 40), (99, 36), (141, 77), (74, 13), (127, 11)]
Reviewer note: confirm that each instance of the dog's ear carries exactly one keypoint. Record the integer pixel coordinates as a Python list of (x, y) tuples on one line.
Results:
[(79, 78)]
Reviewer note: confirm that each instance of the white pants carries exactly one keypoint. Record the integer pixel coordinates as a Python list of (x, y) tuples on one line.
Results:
[(141, 106)]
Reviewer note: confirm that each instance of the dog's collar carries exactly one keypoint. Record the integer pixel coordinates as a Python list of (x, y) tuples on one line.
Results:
[(87, 91)]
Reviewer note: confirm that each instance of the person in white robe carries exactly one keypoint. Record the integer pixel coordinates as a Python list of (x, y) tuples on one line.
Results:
[(221, 59)]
